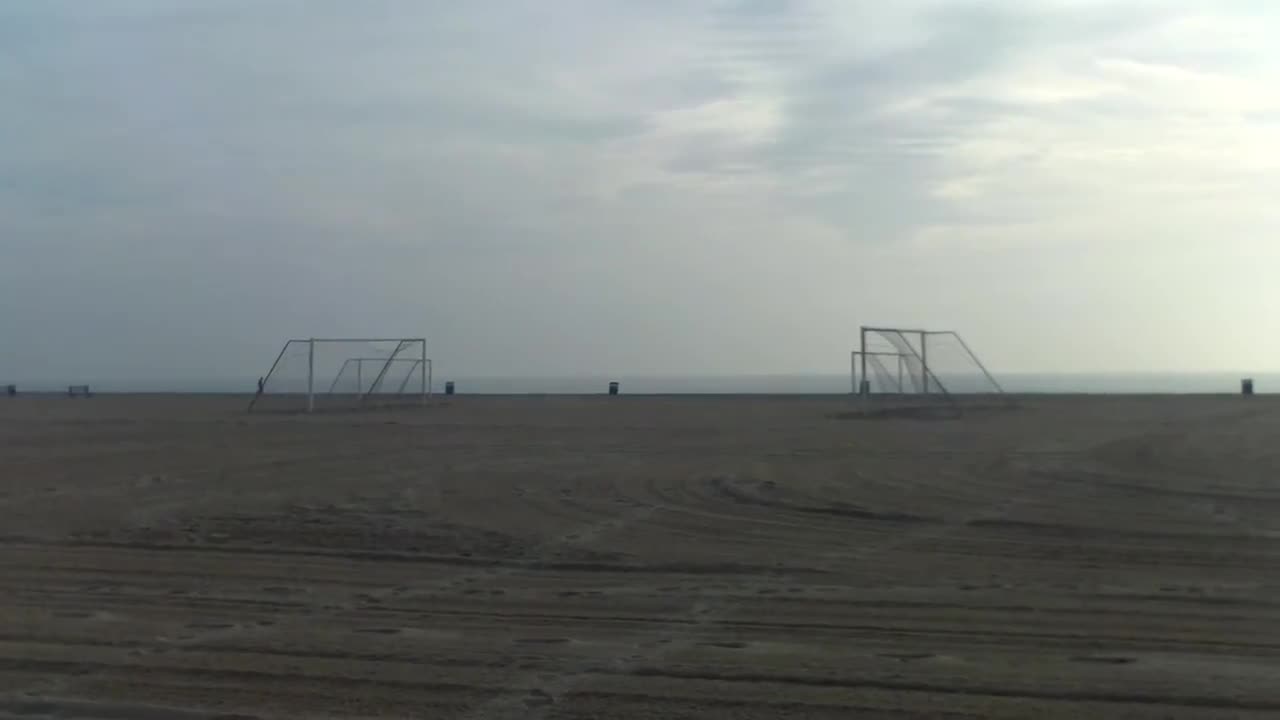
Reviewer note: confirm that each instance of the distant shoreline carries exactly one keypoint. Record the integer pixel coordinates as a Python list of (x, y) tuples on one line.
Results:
[(800, 384), (54, 394)]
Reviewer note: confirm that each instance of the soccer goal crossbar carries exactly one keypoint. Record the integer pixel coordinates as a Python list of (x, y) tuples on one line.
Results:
[(346, 371)]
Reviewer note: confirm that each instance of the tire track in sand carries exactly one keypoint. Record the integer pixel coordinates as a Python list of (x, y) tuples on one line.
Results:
[(535, 693)]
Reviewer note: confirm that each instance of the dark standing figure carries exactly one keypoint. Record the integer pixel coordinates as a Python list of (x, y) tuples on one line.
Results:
[(261, 382)]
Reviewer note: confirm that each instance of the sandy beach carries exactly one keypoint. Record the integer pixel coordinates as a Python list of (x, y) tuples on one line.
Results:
[(639, 557)]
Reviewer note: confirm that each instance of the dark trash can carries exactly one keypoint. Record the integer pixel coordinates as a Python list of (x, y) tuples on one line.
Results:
[(448, 388), (613, 388)]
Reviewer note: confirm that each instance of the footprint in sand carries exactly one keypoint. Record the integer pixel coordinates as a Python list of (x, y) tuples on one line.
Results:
[(906, 657), (210, 626), (1104, 659)]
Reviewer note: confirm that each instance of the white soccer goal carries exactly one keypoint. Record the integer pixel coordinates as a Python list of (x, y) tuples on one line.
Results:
[(899, 361), (330, 373)]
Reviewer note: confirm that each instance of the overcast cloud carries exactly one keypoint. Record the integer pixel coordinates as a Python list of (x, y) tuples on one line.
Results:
[(637, 187)]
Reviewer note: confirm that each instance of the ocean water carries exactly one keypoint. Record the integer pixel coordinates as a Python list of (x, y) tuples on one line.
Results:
[(785, 384)]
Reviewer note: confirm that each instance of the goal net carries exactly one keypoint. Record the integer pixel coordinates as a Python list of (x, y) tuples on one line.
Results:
[(335, 373), (935, 363)]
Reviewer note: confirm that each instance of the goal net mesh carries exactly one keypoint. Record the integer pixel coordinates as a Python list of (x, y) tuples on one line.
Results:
[(912, 362), (328, 374)]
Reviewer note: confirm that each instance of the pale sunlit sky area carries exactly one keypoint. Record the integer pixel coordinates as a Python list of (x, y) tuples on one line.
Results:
[(637, 187)]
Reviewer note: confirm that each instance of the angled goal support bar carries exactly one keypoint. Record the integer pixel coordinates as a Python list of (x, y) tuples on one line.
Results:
[(973, 356)]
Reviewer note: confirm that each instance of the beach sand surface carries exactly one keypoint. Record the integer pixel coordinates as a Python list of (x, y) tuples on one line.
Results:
[(640, 557)]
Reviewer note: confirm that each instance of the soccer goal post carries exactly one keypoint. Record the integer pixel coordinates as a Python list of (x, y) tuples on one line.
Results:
[(918, 362), (327, 373)]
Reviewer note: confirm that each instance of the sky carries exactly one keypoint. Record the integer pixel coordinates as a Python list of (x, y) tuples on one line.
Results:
[(645, 187)]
